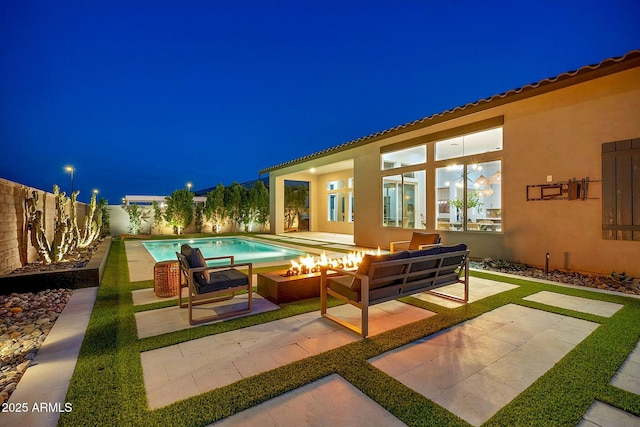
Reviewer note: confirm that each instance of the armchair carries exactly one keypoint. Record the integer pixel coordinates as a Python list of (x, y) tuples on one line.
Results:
[(208, 284)]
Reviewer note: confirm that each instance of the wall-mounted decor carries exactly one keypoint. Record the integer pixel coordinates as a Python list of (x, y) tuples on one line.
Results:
[(574, 189)]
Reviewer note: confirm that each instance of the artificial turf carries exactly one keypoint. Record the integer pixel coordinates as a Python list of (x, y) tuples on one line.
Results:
[(107, 385)]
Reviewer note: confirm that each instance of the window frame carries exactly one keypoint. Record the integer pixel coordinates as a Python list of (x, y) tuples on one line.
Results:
[(466, 163), (406, 172)]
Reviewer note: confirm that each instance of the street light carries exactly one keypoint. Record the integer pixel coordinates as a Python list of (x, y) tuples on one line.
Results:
[(189, 185), (71, 170)]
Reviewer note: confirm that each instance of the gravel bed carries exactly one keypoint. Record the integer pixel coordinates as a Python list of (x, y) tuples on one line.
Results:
[(25, 321), (615, 282)]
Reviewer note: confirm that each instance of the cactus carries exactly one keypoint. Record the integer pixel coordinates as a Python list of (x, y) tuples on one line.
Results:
[(63, 237), (38, 236), (73, 217), (92, 225), (67, 235)]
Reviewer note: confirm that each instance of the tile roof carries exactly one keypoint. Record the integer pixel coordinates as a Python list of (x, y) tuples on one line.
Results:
[(588, 72)]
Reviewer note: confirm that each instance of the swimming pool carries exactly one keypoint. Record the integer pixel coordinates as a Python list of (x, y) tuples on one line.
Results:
[(244, 250)]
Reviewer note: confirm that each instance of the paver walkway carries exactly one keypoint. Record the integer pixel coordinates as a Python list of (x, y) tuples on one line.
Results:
[(47, 380), (473, 369), (187, 369)]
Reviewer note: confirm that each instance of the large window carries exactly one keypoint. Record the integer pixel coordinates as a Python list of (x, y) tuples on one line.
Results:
[(469, 197), (403, 200), (467, 145), (407, 157), (339, 201)]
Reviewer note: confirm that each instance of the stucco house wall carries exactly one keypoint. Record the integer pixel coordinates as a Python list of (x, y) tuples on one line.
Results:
[(324, 225), (557, 132)]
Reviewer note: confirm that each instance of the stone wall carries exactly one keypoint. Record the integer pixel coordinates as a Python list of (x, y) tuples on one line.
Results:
[(15, 242)]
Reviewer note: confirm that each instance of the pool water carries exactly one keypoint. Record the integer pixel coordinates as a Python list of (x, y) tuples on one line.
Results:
[(244, 250)]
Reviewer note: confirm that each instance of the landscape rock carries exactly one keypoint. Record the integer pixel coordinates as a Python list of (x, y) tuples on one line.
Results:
[(25, 321)]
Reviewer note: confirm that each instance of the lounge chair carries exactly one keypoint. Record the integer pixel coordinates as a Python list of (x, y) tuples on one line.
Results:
[(212, 284), (418, 241)]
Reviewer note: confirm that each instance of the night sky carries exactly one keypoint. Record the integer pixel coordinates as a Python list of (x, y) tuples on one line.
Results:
[(142, 97)]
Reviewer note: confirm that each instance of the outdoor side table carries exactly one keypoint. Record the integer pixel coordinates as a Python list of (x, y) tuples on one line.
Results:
[(166, 278)]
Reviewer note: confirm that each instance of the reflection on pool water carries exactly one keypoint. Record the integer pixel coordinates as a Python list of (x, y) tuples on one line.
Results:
[(244, 250)]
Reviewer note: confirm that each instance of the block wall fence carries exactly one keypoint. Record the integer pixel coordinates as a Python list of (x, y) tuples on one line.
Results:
[(16, 249), (119, 222)]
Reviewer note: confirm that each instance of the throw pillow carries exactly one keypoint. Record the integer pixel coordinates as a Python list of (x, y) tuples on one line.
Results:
[(197, 260)]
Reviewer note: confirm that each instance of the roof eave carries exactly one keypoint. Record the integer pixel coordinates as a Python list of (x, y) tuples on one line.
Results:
[(589, 72)]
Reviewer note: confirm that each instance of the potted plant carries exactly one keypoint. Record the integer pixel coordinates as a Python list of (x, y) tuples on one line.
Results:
[(473, 201)]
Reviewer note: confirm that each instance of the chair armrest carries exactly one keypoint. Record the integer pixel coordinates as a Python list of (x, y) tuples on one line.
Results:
[(221, 257), (430, 245), (392, 244), (220, 267)]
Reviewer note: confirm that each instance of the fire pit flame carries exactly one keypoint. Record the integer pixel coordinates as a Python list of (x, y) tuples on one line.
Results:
[(310, 264)]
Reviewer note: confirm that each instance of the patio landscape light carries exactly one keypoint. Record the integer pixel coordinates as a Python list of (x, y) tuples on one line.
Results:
[(71, 170)]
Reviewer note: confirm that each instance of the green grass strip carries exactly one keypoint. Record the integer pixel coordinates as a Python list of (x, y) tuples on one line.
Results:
[(107, 387)]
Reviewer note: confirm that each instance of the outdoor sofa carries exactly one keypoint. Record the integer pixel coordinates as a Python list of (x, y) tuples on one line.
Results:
[(208, 284), (385, 277)]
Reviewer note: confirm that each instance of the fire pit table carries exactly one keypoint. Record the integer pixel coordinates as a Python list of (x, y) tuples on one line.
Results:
[(289, 285), (278, 288)]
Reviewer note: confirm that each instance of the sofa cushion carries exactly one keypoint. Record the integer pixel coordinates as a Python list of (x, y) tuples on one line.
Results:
[(196, 260), (453, 260), (423, 265), (222, 279), (365, 265), (186, 251), (449, 265), (342, 285), (455, 248), (424, 252)]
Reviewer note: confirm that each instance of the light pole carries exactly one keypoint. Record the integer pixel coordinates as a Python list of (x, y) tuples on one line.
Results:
[(189, 185), (71, 170)]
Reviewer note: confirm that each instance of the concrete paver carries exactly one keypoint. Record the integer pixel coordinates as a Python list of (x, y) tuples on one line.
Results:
[(603, 415), (628, 376), (478, 289), (330, 401), (474, 376), (155, 322), (583, 305)]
